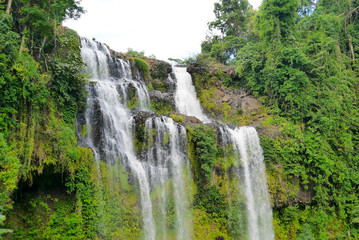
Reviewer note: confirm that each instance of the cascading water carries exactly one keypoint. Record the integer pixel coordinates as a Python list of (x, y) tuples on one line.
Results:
[(185, 95), (166, 158), (109, 122), (245, 143), (164, 166)]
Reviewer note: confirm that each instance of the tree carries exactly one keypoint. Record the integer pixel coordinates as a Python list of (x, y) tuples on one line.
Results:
[(39, 20), (231, 17), (225, 49), (277, 20)]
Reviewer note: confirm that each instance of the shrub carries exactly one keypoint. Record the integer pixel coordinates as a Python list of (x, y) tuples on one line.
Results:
[(176, 118), (205, 148), (143, 67)]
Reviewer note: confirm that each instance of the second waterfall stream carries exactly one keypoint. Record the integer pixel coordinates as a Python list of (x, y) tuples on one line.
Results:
[(245, 143), (147, 187)]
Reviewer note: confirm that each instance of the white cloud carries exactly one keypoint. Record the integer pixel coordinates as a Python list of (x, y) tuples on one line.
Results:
[(165, 28)]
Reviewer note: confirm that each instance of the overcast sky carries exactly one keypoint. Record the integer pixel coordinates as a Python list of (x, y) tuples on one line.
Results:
[(164, 28)]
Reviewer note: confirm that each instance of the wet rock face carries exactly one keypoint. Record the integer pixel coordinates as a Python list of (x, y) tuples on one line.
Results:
[(222, 103), (140, 116), (163, 97), (97, 127), (159, 69), (171, 82), (80, 123), (185, 120), (139, 132), (237, 99), (97, 124)]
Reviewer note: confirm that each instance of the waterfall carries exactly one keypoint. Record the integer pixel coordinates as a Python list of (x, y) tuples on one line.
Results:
[(109, 122), (162, 164), (167, 158), (245, 142), (246, 145), (185, 95)]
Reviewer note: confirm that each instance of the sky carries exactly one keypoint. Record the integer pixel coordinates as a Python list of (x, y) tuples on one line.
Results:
[(163, 28)]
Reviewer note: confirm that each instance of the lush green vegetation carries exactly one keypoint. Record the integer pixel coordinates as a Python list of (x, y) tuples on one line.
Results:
[(130, 51), (202, 142), (41, 91), (176, 118), (142, 65), (300, 59)]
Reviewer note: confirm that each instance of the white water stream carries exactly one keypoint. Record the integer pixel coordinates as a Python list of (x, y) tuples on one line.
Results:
[(107, 106), (109, 125), (245, 142), (167, 158), (185, 95)]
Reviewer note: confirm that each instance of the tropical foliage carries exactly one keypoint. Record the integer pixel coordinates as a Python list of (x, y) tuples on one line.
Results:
[(300, 59)]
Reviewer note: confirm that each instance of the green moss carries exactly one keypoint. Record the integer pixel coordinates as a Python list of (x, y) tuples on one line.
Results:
[(139, 137), (133, 103), (10, 164), (150, 87), (213, 203), (166, 138), (160, 71), (161, 107), (204, 227), (176, 118), (121, 210), (83, 131), (204, 149), (142, 65), (160, 85), (132, 98), (192, 154), (46, 217), (143, 138)]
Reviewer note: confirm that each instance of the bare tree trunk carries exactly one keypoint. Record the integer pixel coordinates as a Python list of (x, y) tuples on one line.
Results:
[(55, 31), (9, 2), (351, 46), (42, 46), (22, 41), (47, 67)]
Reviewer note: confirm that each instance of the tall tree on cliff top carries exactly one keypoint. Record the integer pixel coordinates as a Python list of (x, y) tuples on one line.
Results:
[(277, 20), (38, 20), (231, 17)]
